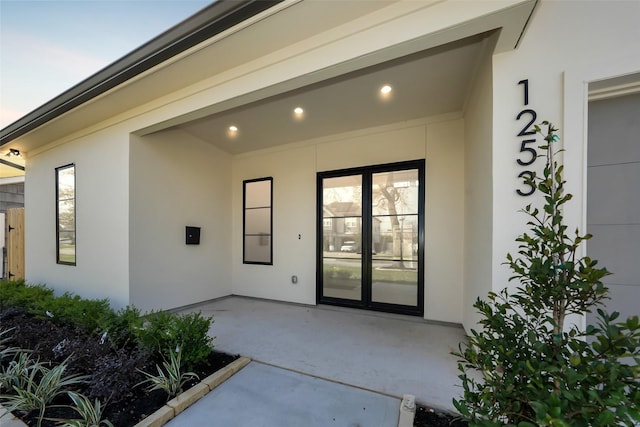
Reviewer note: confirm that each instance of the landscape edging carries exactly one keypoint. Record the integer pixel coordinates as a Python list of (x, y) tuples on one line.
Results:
[(172, 407), (188, 398)]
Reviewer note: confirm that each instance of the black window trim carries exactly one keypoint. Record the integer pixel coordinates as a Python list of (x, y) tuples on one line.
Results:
[(244, 210), (57, 189)]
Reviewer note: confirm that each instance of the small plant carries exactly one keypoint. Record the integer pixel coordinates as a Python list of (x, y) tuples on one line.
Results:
[(527, 367), (162, 330), (37, 387), (90, 413), (16, 373), (6, 351), (171, 379)]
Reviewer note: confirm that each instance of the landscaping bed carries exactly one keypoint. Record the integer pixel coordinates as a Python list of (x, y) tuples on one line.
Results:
[(110, 354), (427, 417)]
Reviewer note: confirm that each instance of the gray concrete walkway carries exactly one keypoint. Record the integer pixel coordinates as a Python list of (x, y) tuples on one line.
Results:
[(389, 354), (265, 396)]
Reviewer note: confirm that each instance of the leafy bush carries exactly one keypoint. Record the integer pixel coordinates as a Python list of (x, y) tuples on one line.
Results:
[(17, 293), (87, 314), (526, 367), (192, 335), (156, 333), (122, 326), (164, 332)]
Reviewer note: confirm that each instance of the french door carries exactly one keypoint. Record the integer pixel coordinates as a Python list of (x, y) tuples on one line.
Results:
[(371, 237)]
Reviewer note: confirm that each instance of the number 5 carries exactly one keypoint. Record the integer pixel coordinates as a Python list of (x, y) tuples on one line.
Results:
[(530, 150)]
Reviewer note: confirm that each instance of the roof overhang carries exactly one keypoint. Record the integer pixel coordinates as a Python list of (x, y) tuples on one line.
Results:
[(212, 20), (230, 34)]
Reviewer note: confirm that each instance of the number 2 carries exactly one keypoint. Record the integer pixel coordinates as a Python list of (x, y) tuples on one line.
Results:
[(534, 116)]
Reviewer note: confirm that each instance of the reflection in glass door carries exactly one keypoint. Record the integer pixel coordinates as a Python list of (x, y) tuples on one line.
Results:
[(394, 214), (371, 238), (342, 237)]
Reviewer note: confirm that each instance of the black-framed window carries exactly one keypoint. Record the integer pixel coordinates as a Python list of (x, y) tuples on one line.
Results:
[(257, 221), (66, 215)]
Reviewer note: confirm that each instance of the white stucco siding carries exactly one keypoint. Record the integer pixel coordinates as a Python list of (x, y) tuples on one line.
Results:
[(478, 219), (566, 45), (294, 201), (444, 221), (102, 209), (294, 169), (178, 181)]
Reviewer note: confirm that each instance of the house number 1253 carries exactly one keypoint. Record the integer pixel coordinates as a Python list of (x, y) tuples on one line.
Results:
[(528, 153)]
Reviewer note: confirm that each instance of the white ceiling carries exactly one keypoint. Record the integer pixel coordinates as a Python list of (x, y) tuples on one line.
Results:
[(424, 84)]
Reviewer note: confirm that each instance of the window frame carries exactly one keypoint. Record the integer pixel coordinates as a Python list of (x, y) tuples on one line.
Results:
[(366, 302), (246, 183), (58, 170)]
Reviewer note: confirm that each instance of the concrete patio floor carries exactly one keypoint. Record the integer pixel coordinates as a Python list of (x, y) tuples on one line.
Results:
[(266, 396), (389, 354)]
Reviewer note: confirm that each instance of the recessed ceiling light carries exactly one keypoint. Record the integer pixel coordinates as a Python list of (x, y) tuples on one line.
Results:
[(385, 89), (233, 128), (298, 111)]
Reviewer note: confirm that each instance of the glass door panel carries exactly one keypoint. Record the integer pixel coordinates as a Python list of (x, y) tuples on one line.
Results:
[(370, 237), (394, 266), (342, 237)]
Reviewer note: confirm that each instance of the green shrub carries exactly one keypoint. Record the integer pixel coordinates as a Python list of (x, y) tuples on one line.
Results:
[(163, 332), (526, 367), (18, 294), (156, 333), (122, 326), (87, 314)]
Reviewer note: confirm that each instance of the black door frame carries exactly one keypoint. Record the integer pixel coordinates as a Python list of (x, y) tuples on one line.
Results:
[(365, 301)]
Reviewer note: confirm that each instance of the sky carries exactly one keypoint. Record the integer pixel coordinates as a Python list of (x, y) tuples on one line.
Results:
[(48, 46)]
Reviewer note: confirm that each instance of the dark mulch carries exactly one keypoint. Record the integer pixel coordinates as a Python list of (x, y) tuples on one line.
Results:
[(113, 371), (426, 417)]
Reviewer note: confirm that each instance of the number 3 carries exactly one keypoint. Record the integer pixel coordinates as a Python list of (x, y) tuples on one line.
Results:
[(527, 178)]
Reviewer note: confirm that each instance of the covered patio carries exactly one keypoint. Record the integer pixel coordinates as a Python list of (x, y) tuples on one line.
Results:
[(387, 353)]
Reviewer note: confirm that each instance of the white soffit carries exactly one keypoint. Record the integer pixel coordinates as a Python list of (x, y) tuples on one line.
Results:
[(296, 27)]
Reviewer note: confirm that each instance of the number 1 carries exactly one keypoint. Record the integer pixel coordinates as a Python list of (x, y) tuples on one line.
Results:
[(525, 83)]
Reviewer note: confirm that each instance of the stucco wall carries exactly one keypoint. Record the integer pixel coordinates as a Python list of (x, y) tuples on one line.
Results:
[(294, 199), (478, 247), (178, 181), (102, 209), (567, 45), (293, 168)]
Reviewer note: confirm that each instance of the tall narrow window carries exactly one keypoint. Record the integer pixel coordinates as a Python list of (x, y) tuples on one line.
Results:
[(258, 221), (66, 214)]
